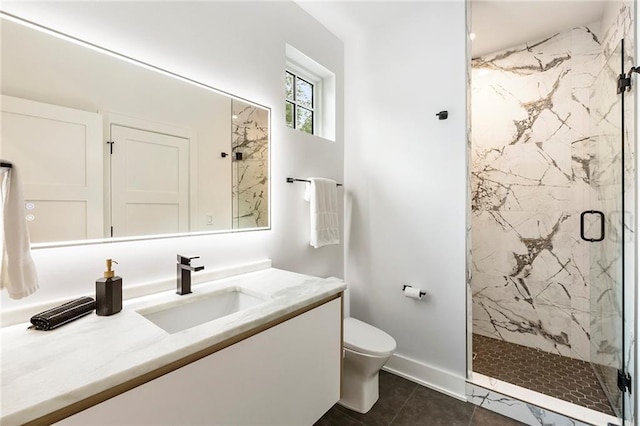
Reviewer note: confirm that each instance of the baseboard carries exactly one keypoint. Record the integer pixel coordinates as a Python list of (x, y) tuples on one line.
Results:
[(426, 375)]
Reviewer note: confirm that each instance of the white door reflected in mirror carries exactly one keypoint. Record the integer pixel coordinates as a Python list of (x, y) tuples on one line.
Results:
[(149, 183)]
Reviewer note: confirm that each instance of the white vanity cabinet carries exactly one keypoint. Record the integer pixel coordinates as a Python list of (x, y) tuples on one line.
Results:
[(288, 374)]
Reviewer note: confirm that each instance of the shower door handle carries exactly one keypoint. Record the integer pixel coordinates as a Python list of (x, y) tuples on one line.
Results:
[(601, 216)]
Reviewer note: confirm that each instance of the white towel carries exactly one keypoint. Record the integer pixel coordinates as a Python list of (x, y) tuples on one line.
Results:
[(18, 273), (322, 195)]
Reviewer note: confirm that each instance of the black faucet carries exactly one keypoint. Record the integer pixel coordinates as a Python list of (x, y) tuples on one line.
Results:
[(184, 273)]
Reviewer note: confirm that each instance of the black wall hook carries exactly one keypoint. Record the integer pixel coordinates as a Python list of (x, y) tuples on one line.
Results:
[(442, 115)]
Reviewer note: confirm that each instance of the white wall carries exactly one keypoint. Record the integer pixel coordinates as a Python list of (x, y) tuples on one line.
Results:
[(238, 47), (405, 172)]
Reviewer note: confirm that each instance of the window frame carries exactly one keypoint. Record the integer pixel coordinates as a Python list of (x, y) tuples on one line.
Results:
[(302, 73)]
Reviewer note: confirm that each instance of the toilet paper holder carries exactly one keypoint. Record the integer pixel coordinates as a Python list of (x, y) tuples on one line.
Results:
[(422, 293)]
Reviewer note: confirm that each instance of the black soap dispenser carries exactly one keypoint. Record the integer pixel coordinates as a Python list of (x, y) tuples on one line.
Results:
[(109, 292)]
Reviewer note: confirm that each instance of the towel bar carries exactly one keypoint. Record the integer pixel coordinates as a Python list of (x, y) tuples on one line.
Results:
[(291, 180), (6, 165)]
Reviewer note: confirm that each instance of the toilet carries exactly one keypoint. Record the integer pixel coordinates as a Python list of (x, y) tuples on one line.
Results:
[(366, 350)]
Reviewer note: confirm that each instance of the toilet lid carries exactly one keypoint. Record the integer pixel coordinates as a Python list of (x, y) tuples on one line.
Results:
[(364, 338)]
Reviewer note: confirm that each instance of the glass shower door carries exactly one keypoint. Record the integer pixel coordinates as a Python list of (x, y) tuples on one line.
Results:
[(603, 227)]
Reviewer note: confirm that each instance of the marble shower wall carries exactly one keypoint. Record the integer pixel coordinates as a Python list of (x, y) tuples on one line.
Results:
[(250, 137), (546, 146), (531, 171)]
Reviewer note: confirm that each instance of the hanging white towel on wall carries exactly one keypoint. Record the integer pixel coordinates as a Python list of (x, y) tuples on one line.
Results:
[(322, 195), (18, 272)]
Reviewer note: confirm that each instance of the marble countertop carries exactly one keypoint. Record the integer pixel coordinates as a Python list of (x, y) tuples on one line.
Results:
[(44, 371)]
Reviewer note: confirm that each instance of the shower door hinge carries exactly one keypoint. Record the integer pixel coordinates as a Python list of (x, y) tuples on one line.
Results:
[(110, 146), (624, 82), (624, 381), (112, 231)]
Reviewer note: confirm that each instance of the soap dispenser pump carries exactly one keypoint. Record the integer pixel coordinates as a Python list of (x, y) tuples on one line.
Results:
[(109, 292)]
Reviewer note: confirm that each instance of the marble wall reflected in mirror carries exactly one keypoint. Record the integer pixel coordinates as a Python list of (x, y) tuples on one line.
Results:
[(250, 147), (110, 147)]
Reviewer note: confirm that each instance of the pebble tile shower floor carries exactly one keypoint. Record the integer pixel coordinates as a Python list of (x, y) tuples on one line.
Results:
[(554, 375)]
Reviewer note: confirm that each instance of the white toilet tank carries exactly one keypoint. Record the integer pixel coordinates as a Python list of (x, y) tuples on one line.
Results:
[(366, 339)]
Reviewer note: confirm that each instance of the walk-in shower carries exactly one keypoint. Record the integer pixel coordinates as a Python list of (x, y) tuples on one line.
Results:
[(552, 185)]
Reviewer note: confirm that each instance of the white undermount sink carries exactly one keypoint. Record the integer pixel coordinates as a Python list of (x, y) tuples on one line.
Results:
[(198, 309)]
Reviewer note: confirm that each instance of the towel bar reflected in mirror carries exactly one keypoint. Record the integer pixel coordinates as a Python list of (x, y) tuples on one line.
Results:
[(291, 180)]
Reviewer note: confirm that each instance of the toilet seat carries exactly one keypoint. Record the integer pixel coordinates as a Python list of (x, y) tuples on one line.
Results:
[(364, 338)]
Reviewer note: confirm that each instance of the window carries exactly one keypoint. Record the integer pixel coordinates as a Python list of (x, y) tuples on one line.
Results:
[(300, 102), (310, 95)]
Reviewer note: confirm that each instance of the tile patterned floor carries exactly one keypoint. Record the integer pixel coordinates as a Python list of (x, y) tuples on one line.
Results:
[(555, 375), (404, 403)]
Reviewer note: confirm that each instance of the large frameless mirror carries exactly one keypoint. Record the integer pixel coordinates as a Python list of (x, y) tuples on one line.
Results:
[(107, 146)]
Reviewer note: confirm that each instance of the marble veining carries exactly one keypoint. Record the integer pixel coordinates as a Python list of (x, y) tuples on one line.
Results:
[(250, 137), (46, 371), (546, 132), (529, 414), (532, 175)]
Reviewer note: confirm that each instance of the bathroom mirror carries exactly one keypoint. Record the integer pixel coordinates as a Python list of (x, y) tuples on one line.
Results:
[(107, 146)]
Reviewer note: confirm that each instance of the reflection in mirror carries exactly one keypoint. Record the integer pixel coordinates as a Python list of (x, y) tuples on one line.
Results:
[(250, 146), (110, 147)]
